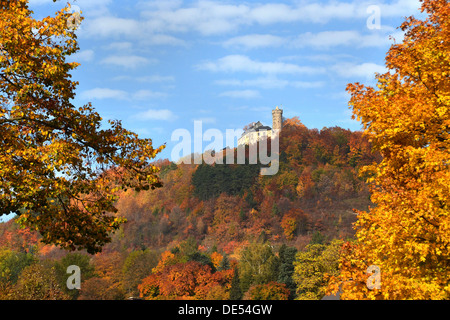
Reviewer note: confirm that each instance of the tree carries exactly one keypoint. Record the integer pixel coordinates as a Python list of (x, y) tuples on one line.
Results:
[(287, 258), (96, 288), (314, 267), (60, 170), (235, 292), (289, 223), (108, 268), (181, 280), (257, 265), (216, 259), (87, 270), (408, 121), (137, 266), (224, 263), (269, 291), (12, 263), (37, 282)]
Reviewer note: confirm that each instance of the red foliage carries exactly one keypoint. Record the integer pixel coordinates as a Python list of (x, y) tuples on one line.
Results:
[(184, 281)]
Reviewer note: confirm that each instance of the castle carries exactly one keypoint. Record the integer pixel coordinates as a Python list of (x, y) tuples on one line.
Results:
[(258, 131)]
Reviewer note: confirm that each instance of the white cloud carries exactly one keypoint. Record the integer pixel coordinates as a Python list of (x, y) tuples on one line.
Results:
[(205, 17), (240, 63), (120, 46), (206, 120), (269, 82), (159, 19), (150, 79), (155, 114), (328, 39), (107, 93), (214, 17), (148, 94), (115, 27), (108, 26), (83, 56), (365, 70), (127, 61), (162, 39), (255, 41), (104, 93), (242, 94), (319, 40)]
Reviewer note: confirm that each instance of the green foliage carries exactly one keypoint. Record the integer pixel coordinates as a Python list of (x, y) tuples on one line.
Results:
[(224, 264), (257, 265), (137, 266), (210, 181), (202, 258), (166, 168), (317, 238), (287, 258), (235, 291), (188, 247), (12, 263), (37, 282), (313, 267), (78, 259)]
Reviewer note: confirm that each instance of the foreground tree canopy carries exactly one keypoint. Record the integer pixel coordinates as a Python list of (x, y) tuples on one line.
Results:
[(407, 235), (59, 169)]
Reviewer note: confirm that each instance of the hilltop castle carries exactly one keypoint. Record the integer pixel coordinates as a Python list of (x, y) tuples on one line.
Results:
[(257, 130)]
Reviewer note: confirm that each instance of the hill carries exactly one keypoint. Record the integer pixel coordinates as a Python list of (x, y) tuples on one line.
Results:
[(317, 188), (225, 208)]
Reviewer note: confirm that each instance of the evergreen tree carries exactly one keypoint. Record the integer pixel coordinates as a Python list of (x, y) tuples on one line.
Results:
[(287, 258), (317, 238), (235, 291), (224, 264)]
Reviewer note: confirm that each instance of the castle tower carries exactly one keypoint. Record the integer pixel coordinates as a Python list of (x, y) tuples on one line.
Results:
[(277, 116)]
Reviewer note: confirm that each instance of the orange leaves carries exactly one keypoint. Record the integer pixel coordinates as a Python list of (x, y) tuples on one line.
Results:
[(289, 222), (216, 259), (167, 259), (270, 291), (65, 170), (190, 280), (407, 120)]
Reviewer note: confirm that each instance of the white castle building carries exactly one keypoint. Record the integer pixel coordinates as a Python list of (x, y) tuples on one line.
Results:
[(258, 131)]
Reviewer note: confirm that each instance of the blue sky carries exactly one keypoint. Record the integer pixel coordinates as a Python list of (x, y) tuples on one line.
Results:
[(160, 65)]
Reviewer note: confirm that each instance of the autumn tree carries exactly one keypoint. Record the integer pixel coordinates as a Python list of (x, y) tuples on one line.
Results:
[(38, 282), (269, 291), (87, 270), (96, 288), (407, 233), (314, 267), (290, 222), (108, 268), (190, 280), (257, 265), (11, 265), (60, 167), (137, 266)]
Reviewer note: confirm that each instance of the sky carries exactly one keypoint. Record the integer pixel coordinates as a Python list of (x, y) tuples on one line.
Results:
[(159, 66)]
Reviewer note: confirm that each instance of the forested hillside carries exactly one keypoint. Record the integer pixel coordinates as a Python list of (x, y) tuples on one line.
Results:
[(200, 235)]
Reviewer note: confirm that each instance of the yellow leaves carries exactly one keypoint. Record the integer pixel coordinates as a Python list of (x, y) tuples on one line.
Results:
[(408, 231), (50, 149)]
